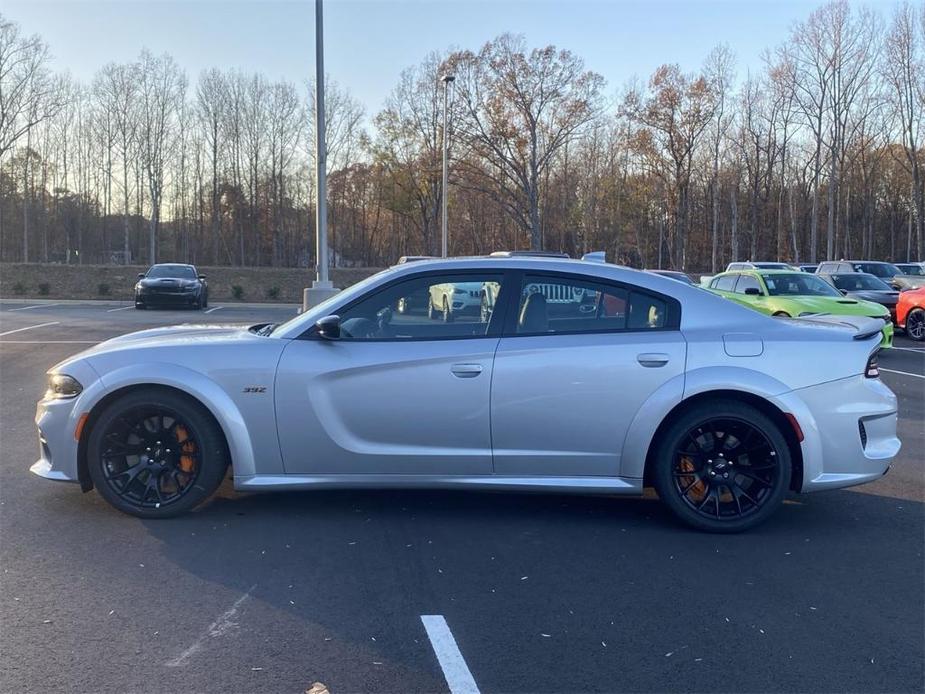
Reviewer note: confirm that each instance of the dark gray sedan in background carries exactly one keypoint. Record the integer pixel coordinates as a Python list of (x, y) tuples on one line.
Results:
[(171, 284), (864, 286)]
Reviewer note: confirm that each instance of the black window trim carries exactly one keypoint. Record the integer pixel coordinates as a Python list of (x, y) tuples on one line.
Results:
[(494, 325), (673, 306)]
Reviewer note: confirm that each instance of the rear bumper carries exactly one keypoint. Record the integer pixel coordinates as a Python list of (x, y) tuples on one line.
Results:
[(849, 430)]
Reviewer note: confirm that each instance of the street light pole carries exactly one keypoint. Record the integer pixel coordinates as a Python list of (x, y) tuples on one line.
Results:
[(446, 79), (321, 288)]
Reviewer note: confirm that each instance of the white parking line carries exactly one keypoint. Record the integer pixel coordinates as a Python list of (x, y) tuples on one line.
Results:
[(123, 308), (30, 327), (910, 349), (214, 309), (224, 622), (49, 342), (904, 373), (455, 671), (27, 308)]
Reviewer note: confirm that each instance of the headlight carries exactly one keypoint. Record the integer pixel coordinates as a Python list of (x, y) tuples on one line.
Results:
[(62, 386)]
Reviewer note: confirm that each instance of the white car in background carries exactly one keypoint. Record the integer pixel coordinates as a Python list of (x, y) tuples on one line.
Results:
[(449, 300), (643, 381)]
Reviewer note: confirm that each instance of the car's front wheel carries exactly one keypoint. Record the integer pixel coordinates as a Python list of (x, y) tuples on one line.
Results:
[(915, 324), (155, 453), (722, 466), (782, 314)]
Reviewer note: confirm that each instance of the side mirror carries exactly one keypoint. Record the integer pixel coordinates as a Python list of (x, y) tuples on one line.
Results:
[(753, 291), (141, 275), (202, 277), (328, 327)]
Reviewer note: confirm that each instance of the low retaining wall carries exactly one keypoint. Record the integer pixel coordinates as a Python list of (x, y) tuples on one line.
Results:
[(51, 281)]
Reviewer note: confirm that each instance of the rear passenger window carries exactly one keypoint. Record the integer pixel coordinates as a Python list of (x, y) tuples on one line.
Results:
[(725, 283), (747, 282), (553, 305)]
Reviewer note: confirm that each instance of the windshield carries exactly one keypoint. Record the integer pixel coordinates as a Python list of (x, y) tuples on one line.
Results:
[(773, 266), (321, 310), (917, 270), (860, 281), (797, 284), (879, 269), (184, 272)]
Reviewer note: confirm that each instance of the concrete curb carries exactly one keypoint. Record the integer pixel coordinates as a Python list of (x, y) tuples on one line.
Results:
[(128, 302)]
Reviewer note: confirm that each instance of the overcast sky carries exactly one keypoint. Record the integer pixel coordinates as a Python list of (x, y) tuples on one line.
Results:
[(369, 42)]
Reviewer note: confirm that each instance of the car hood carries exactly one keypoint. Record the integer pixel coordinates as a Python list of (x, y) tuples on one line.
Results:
[(835, 305), (175, 335), (154, 283), (909, 281), (887, 298)]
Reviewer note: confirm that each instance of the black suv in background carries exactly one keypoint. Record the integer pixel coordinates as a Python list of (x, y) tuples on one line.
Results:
[(171, 284)]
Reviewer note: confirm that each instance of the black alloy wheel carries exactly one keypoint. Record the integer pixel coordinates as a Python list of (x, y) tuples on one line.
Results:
[(915, 324), (723, 466), (156, 454)]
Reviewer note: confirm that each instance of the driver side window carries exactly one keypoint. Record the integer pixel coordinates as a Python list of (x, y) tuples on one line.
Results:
[(425, 308)]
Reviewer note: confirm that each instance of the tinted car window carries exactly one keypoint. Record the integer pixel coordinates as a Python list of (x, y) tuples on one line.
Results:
[(184, 272), (554, 305), (747, 282), (917, 270), (724, 283), (798, 284), (429, 307), (886, 270), (860, 281)]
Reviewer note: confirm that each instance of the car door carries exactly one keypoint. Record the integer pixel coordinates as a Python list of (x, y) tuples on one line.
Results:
[(568, 381), (397, 394)]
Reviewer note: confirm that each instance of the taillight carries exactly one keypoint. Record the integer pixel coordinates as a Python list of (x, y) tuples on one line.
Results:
[(872, 370)]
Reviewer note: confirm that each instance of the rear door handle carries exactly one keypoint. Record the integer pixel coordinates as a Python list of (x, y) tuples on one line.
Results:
[(652, 359), (466, 370)]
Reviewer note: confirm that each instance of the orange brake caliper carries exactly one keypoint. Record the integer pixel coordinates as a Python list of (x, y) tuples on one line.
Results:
[(187, 464)]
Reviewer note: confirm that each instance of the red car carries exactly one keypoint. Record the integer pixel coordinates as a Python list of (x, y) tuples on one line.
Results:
[(910, 313)]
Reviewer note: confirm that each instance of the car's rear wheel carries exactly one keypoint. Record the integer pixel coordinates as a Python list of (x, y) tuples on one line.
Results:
[(722, 466), (156, 453), (915, 324), (782, 314)]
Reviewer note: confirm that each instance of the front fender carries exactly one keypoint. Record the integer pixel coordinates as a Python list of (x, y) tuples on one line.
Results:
[(212, 396)]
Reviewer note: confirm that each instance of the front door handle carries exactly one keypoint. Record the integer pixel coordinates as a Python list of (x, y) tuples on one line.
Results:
[(466, 370), (652, 359)]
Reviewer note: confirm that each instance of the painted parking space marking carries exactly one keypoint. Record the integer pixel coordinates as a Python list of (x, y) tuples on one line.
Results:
[(49, 342), (214, 309), (29, 308), (920, 350), (222, 624), (122, 308), (29, 327), (903, 373), (455, 671)]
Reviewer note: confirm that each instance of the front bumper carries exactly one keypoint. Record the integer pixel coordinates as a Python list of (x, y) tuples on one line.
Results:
[(56, 421), (167, 298), (849, 428)]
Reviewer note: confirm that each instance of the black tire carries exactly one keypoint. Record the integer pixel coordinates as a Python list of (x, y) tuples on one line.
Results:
[(782, 314), (205, 300), (140, 305), (915, 324), (722, 466), (191, 455)]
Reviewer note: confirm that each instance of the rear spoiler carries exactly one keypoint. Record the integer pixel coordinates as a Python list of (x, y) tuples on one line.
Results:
[(865, 327)]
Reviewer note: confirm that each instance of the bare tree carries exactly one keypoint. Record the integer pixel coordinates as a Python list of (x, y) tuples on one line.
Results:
[(720, 71), (903, 70), (519, 109)]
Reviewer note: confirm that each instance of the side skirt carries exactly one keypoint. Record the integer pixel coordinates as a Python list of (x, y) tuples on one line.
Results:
[(585, 485)]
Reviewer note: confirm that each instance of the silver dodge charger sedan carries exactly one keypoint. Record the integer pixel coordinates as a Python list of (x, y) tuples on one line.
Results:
[(583, 377)]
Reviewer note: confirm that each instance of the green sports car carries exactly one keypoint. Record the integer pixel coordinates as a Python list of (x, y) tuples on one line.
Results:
[(795, 294)]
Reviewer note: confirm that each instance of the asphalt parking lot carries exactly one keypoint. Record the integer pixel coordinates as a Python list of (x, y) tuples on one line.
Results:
[(272, 593)]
